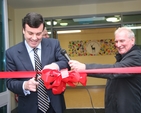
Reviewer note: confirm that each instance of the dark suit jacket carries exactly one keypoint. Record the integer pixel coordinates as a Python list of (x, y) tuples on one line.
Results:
[(17, 59), (123, 90)]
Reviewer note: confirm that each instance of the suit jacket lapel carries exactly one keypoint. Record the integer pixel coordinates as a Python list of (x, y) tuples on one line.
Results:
[(45, 52), (24, 58)]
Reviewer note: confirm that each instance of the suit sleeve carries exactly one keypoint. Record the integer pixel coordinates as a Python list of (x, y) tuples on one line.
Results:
[(13, 84), (133, 59)]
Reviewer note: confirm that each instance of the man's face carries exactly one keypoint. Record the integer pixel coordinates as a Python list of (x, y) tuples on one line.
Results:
[(33, 36), (45, 34), (123, 43)]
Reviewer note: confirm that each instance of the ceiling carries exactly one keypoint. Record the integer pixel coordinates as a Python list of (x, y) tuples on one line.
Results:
[(17, 4)]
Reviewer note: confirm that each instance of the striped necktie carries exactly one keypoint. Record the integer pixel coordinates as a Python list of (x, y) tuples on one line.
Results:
[(43, 102)]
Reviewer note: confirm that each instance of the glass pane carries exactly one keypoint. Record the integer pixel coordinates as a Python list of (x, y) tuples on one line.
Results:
[(132, 18), (49, 32), (2, 85), (3, 109), (2, 47)]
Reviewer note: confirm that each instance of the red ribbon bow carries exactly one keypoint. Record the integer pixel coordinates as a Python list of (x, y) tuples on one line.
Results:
[(55, 80)]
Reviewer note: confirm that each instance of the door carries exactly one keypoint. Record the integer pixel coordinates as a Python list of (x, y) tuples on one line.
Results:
[(4, 93)]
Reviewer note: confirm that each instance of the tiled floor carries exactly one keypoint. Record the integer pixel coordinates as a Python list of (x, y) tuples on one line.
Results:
[(78, 111), (85, 97), (84, 111)]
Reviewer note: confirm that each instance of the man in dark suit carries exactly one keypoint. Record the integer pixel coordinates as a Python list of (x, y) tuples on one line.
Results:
[(21, 58), (123, 90)]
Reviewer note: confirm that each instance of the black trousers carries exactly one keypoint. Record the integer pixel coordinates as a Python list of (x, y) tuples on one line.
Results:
[(50, 110)]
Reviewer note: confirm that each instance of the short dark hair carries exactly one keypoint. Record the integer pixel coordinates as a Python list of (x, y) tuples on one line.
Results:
[(34, 20)]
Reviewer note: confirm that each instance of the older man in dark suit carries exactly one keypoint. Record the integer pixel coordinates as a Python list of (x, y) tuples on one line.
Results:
[(21, 58), (123, 90)]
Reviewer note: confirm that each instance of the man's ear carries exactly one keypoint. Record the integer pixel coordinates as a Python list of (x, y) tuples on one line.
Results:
[(23, 31), (133, 41)]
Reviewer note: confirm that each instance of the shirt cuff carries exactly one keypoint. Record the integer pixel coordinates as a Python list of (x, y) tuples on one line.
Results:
[(26, 92)]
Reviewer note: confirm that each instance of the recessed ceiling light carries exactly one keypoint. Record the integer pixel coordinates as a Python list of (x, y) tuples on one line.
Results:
[(113, 19)]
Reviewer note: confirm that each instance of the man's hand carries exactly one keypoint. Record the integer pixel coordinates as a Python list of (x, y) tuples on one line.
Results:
[(75, 65), (31, 84), (51, 66)]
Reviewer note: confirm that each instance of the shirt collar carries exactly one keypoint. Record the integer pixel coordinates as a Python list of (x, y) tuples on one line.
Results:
[(29, 49)]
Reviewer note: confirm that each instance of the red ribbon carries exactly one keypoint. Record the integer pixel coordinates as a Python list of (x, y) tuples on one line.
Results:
[(18, 74), (113, 70), (57, 80)]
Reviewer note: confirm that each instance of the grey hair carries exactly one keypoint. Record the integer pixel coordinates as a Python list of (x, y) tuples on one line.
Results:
[(129, 32)]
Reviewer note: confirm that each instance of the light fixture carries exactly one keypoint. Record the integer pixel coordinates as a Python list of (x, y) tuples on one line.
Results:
[(68, 31), (132, 26), (113, 19), (49, 22), (63, 24), (135, 27), (88, 19)]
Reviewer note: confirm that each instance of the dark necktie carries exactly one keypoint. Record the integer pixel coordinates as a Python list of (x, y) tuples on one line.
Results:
[(43, 102)]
